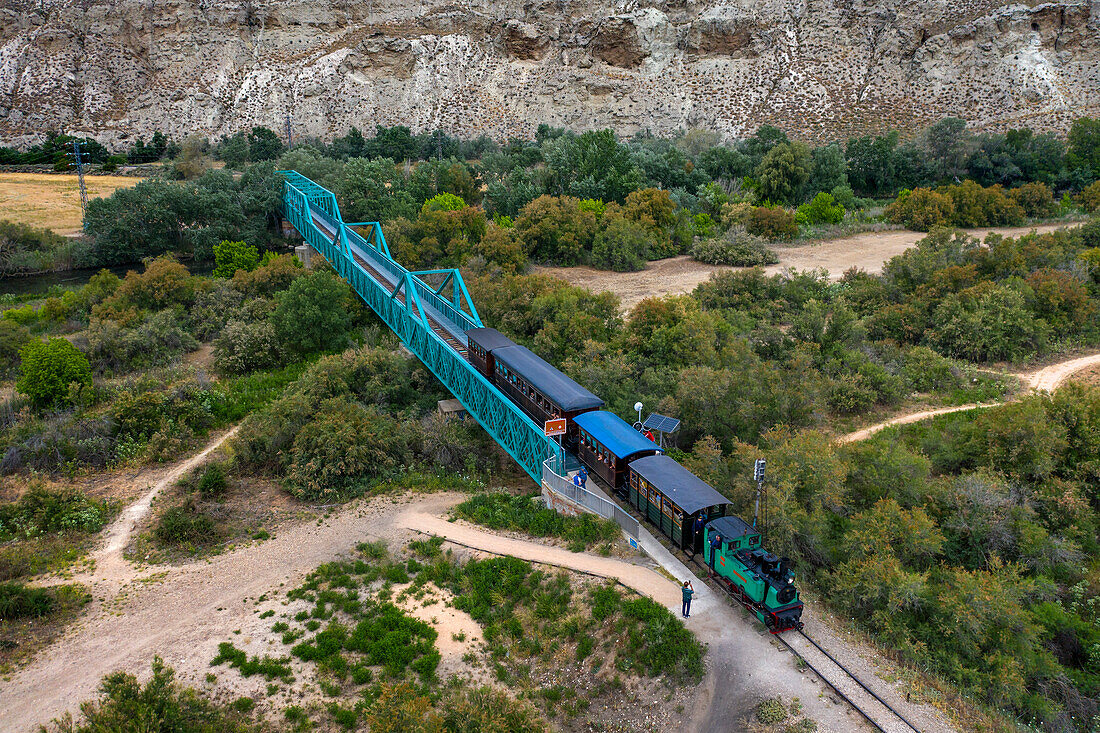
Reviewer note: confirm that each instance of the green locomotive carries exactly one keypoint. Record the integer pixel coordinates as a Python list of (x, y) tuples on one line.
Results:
[(756, 578)]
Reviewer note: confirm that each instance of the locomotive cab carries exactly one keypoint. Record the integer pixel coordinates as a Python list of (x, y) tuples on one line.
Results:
[(760, 580)]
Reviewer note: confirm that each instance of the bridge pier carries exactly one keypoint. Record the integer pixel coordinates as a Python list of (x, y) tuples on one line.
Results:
[(304, 252)]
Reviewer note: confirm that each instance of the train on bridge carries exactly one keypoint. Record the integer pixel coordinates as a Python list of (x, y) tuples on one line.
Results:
[(692, 514)]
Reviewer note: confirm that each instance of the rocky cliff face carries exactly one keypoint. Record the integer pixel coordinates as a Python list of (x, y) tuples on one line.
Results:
[(819, 68)]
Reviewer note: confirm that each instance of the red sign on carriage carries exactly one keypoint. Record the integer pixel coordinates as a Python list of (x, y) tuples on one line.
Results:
[(554, 427)]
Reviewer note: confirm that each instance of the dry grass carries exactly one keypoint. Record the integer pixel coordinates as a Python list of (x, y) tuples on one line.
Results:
[(52, 201)]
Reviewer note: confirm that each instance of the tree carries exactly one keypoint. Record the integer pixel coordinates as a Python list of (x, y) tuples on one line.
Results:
[(622, 245), (555, 229), (921, 210), (311, 315), (232, 256), (783, 172), (871, 166), (193, 160), (1083, 150), (50, 370), (948, 145), (829, 169), (264, 144), (13, 337), (592, 166), (760, 144), (374, 190)]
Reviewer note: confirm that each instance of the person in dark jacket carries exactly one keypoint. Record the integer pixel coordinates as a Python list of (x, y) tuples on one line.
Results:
[(583, 473), (700, 522), (715, 547), (689, 591)]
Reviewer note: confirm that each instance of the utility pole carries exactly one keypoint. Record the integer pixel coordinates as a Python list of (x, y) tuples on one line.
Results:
[(758, 475), (80, 175)]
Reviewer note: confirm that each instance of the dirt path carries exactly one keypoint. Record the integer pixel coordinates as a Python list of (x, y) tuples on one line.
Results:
[(1047, 379), (682, 274), (182, 613), (110, 564)]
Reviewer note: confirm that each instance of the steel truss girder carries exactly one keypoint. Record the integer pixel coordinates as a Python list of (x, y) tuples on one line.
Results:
[(500, 417)]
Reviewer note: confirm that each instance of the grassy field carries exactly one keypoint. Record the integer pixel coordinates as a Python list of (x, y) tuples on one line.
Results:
[(52, 201)]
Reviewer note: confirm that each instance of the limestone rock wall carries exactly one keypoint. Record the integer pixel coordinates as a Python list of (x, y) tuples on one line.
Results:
[(819, 68)]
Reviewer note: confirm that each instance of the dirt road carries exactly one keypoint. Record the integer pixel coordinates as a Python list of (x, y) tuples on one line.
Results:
[(682, 274), (1047, 379)]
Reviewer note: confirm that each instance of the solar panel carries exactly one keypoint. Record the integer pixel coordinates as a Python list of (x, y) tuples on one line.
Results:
[(661, 423)]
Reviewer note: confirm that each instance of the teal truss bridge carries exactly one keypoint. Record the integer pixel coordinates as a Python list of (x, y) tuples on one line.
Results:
[(431, 320)]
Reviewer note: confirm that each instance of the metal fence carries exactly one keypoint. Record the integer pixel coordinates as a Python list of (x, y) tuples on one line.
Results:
[(594, 503)]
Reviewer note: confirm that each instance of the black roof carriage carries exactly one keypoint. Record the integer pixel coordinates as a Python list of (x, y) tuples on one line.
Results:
[(551, 383)]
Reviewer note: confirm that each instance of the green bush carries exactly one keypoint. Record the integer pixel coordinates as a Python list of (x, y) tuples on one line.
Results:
[(823, 209), (737, 247), (345, 447), (19, 601), (444, 202), (13, 337), (247, 346), (47, 511), (232, 256), (160, 705), (186, 527), (163, 284), (213, 483), (52, 372), (1036, 199), (274, 274), (157, 339), (621, 245), (921, 210), (772, 223), (1090, 197), (312, 314), (528, 514), (26, 250)]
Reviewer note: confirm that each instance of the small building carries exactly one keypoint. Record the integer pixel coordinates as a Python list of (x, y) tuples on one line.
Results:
[(607, 444), (672, 498), (452, 407)]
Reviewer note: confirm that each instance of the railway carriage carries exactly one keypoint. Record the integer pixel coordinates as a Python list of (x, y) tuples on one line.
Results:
[(607, 444), (479, 348), (672, 498), (542, 391)]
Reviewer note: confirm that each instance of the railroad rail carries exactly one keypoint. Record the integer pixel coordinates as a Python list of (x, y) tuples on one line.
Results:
[(832, 681)]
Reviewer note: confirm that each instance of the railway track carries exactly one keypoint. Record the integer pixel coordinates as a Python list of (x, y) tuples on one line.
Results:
[(880, 714)]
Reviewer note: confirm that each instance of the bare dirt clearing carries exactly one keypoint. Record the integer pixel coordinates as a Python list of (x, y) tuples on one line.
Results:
[(682, 274), (53, 201)]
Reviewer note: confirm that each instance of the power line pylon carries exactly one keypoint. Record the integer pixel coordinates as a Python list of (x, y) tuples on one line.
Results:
[(80, 175)]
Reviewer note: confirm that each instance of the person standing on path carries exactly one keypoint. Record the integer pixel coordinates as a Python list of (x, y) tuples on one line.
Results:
[(689, 591)]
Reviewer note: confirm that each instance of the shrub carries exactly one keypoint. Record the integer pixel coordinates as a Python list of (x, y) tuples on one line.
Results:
[(212, 483), (160, 705), (976, 206), (246, 346), (51, 511), (737, 247), (164, 283), (213, 309), (116, 348), (927, 371), (555, 230), (823, 209), (921, 210), (344, 447), (1090, 197), (232, 256), (621, 245), (1036, 199), (26, 250), (13, 337), (528, 514), (444, 202), (52, 372), (772, 223), (312, 314), (274, 274), (185, 526), (19, 601), (734, 213)]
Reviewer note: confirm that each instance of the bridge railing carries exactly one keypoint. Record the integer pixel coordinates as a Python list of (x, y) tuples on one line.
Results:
[(593, 503), (508, 425)]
